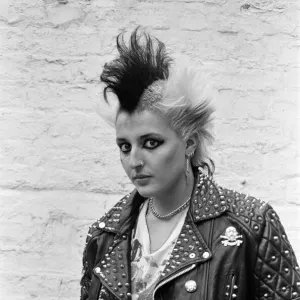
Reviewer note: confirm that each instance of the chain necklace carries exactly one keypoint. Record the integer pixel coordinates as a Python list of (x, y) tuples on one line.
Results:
[(171, 214)]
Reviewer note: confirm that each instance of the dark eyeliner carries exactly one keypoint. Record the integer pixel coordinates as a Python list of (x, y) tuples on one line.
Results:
[(120, 145), (159, 142)]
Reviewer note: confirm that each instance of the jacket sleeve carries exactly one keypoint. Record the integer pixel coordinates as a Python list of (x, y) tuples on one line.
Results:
[(88, 261), (276, 270), (85, 281)]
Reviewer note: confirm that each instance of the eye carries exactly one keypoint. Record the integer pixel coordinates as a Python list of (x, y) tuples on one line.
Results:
[(152, 144), (125, 147)]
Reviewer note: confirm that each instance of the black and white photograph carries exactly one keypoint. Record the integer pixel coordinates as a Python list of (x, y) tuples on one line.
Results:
[(149, 150)]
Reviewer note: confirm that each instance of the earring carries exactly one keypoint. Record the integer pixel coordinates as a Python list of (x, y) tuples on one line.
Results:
[(188, 158)]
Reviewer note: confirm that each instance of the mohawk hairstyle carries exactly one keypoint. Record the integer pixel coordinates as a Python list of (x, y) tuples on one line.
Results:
[(142, 62)]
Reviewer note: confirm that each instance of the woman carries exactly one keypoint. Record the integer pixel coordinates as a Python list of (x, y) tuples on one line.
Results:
[(178, 235)]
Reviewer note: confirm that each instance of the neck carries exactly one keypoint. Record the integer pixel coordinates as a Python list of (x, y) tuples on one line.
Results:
[(171, 199)]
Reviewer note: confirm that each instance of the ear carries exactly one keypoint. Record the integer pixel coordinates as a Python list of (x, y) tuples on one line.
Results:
[(191, 144)]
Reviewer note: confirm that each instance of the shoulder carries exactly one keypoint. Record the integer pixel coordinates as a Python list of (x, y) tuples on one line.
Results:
[(252, 212), (112, 219)]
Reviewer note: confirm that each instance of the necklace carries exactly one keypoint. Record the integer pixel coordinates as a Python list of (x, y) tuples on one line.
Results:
[(171, 214)]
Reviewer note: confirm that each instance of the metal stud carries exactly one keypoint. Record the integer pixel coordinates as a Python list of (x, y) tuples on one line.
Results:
[(205, 255)]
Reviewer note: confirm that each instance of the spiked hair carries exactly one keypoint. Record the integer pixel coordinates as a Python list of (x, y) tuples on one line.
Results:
[(143, 78), (140, 64)]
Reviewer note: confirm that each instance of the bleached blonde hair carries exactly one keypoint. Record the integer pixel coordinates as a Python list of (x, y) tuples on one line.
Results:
[(185, 98)]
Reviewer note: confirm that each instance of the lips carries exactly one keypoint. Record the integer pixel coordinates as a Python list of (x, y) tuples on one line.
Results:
[(140, 176)]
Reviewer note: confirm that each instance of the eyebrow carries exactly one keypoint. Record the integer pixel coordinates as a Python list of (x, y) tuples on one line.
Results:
[(144, 136)]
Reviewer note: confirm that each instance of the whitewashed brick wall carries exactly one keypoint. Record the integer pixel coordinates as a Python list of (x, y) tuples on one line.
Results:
[(59, 167)]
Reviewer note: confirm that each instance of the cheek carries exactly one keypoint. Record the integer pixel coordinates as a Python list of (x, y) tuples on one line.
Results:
[(124, 162), (172, 158)]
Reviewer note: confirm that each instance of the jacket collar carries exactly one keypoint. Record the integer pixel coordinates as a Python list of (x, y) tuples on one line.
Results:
[(114, 270), (207, 202)]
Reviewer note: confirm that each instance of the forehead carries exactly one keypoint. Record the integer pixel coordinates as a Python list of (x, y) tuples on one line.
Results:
[(141, 123)]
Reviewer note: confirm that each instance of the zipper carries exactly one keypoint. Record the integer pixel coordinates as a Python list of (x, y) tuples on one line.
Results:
[(172, 277)]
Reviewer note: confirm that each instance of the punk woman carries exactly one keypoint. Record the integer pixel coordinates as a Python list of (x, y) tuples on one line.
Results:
[(178, 235)]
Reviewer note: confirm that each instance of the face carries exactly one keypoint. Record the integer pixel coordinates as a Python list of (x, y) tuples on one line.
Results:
[(148, 138)]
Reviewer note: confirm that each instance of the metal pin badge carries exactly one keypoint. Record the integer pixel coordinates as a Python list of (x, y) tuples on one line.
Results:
[(231, 237), (191, 286)]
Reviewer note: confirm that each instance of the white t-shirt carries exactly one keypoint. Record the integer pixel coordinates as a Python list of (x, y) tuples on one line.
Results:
[(146, 267)]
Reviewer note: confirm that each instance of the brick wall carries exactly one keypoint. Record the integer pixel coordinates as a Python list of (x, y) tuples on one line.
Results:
[(59, 164)]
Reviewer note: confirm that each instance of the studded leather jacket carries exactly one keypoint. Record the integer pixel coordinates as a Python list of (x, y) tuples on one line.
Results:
[(231, 246)]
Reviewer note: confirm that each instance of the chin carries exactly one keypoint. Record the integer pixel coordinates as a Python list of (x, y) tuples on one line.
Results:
[(146, 191)]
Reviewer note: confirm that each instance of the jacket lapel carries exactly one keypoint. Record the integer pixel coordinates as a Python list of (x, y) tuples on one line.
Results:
[(114, 269), (190, 248)]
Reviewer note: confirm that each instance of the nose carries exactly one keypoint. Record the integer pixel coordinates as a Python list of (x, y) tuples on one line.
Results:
[(135, 159)]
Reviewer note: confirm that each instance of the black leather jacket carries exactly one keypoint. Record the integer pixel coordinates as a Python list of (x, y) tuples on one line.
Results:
[(232, 246)]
